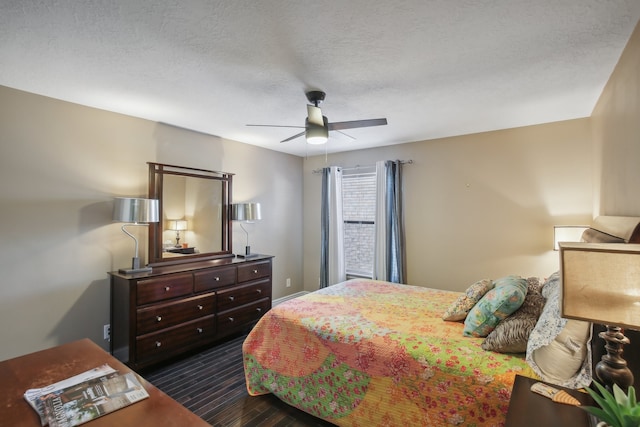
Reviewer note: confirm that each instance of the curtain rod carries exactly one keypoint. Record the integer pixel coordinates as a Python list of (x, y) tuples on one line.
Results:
[(404, 162)]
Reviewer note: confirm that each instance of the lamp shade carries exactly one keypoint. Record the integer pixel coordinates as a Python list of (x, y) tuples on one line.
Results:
[(601, 283), (133, 210), (315, 132), (177, 225), (246, 212)]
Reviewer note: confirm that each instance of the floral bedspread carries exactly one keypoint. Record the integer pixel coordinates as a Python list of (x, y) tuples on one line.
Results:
[(370, 353)]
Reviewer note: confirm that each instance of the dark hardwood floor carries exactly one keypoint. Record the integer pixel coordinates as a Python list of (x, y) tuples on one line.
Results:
[(211, 385)]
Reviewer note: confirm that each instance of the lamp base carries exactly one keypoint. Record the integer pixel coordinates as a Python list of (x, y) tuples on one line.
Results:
[(247, 253), (135, 270), (135, 267), (612, 368)]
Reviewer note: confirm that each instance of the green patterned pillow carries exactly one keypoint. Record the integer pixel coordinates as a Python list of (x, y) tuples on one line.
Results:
[(465, 302), (505, 298)]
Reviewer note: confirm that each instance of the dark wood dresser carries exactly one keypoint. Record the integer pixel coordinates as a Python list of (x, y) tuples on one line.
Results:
[(179, 308)]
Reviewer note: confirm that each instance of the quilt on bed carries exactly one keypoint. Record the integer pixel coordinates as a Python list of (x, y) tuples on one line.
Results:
[(371, 353)]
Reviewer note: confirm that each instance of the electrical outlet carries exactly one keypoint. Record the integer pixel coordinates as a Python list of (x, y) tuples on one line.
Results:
[(107, 332), (288, 282)]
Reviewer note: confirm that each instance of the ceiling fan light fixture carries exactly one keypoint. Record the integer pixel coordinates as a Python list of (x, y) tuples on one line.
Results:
[(317, 126), (318, 140), (317, 135)]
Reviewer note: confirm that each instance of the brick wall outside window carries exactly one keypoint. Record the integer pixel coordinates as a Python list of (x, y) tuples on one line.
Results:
[(359, 204)]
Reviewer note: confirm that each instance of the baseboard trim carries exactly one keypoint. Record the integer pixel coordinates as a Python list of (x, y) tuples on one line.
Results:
[(287, 298)]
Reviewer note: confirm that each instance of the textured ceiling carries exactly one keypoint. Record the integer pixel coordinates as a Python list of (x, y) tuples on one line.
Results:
[(433, 68)]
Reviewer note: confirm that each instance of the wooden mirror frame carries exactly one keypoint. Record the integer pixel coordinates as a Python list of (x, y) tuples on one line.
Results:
[(157, 172)]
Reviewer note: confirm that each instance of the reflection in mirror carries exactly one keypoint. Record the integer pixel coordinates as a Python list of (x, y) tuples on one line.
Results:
[(176, 225), (194, 214), (192, 206)]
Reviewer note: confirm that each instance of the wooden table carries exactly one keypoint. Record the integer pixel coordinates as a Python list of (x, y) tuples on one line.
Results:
[(46, 367), (527, 408)]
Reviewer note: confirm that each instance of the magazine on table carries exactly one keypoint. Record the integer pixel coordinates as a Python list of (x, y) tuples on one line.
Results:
[(91, 399), (33, 395), (84, 397)]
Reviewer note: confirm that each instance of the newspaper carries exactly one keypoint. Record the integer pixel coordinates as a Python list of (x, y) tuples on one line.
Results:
[(33, 395), (91, 399)]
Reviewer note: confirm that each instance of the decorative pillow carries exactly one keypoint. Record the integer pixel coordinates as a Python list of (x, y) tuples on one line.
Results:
[(506, 297), (534, 285), (559, 350), (511, 334), (460, 307)]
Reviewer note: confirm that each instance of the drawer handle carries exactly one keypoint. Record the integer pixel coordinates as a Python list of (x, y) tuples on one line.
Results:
[(167, 288), (200, 307), (158, 318), (259, 310), (231, 319), (217, 279), (158, 343), (199, 330), (259, 291), (231, 298), (255, 271)]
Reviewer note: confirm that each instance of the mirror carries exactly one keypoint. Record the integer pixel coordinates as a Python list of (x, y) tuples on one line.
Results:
[(195, 221)]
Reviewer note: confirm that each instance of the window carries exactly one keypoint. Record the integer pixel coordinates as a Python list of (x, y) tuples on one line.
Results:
[(359, 213)]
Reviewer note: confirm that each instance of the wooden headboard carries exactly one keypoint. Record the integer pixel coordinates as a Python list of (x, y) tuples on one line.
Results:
[(622, 229)]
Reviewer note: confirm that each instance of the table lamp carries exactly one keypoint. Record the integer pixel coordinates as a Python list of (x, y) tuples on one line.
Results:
[(135, 212), (177, 225), (601, 284), (246, 213)]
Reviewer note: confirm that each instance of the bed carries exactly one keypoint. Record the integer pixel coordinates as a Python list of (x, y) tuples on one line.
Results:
[(373, 353)]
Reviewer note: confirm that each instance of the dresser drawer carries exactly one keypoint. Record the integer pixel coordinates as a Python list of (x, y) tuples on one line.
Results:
[(160, 316), (163, 288), (176, 340), (207, 280), (244, 294), (234, 320), (254, 270)]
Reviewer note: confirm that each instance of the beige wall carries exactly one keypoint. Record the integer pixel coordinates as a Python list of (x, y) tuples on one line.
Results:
[(616, 125), (476, 206), (61, 164)]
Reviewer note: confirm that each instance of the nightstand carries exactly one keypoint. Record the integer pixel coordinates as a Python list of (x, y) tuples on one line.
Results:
[(527, 408)]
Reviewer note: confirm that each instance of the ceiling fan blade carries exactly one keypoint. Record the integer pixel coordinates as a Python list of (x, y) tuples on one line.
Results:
[(294, 136), (357, 124), (277, 126), (315, 115)]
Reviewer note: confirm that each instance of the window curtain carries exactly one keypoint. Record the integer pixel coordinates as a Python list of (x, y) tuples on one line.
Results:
[(389, 252), (332, 262)]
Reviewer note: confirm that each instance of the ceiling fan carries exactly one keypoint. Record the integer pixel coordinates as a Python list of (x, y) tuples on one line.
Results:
[(316, 126)]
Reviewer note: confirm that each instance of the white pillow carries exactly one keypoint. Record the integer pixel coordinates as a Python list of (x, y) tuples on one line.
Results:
[(562, 359), (559, 350)]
